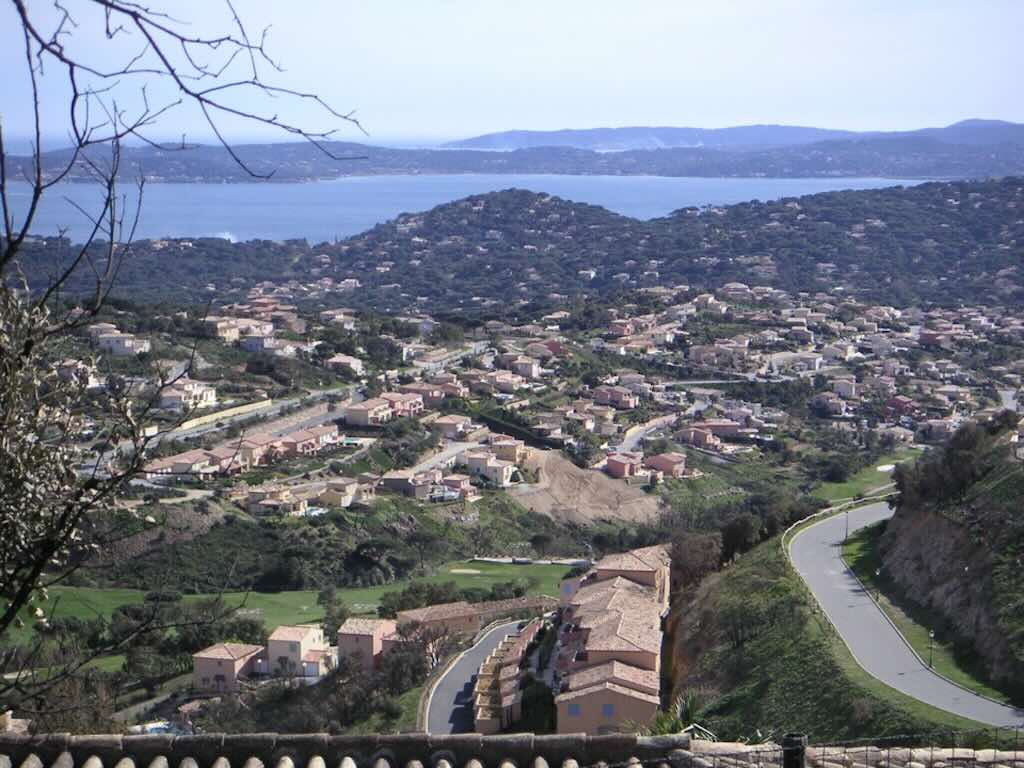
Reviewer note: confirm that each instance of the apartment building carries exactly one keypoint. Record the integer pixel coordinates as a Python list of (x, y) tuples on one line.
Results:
[(609, 647)]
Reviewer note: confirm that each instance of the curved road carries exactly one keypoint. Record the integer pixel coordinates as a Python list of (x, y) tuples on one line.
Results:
[(876, 645), (450, 709)]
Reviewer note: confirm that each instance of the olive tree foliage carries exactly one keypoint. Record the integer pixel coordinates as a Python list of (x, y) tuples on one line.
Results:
[(120, 67)]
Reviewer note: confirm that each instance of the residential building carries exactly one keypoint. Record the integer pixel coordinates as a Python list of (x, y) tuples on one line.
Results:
[(347, 363), (309, 441), (221, 667), (188, 395), (432, 394), (459, 618), (615, 396), (497, 693), (486, 465), (608, 656), (509, 449), (623, 465), (363, 640), (671, 464), (122, 344), (298, 651), (369, 413), (403, 404), (452, 426)]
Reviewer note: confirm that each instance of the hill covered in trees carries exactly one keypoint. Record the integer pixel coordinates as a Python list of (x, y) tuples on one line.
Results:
[(974, 149), (738, 138), (956, 545), (520, 251)]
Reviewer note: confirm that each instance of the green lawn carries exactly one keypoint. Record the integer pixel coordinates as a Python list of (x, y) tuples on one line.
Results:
[(276, 608), (866, 480), (914, 622)]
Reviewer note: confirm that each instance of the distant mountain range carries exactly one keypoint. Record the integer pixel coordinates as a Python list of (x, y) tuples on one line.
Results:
[(970, 149), (738, 138)]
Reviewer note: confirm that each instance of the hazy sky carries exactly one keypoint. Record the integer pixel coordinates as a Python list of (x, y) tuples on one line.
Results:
[(421, 70)]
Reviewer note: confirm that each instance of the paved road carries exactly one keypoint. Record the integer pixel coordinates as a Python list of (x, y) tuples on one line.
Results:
[(451, 707), (635, 436), (441, 457), (877, 646)]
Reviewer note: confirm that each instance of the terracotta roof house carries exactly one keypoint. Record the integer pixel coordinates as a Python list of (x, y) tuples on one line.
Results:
[(220, 667), (370, 412), (622, 465), (452, 426), (297, 651), (404, 403), (671, 464), (458, 618)]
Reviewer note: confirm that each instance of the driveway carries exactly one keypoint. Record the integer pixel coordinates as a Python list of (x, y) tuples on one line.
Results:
[(450, 451), (876, 645), (451, 706)]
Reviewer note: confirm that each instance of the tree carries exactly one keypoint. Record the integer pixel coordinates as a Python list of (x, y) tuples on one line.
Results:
[(335, 610), (53, 516), (694, 556), (423, 540), (541, 542), (740, 534)]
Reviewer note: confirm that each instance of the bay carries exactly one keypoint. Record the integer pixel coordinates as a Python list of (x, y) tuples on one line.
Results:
[(327, 210)]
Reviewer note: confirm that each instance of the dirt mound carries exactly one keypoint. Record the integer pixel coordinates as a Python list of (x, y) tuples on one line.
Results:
[(566, 492)]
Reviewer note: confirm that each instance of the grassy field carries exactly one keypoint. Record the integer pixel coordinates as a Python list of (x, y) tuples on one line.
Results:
[(866, 480), (277, 608), (861, 554)]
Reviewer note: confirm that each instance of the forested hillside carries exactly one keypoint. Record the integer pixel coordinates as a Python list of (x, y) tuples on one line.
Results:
[(956, 544), (973, 149), (937, 242)]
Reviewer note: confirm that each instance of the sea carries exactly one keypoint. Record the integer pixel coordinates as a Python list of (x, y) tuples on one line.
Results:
[(322, 211)]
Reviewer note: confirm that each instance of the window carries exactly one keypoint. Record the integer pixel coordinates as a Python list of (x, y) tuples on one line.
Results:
[(574, 710), (608, 710), (294, 647)]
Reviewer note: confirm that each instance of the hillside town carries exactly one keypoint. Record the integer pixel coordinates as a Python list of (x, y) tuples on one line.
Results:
[(281, 406)]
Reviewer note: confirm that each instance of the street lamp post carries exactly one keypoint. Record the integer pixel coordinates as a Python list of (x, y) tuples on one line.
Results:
[(847, 536), (878, 589), (931, 643)]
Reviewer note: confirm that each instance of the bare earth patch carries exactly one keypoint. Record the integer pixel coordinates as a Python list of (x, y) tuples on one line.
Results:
[(566, 492)]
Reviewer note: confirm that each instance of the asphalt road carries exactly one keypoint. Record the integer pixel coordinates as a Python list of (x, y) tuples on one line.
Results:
[(451, 706), (876, 645), (635, 436), (451, 450)]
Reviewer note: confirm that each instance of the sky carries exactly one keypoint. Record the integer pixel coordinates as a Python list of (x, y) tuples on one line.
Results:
[(423, 71)]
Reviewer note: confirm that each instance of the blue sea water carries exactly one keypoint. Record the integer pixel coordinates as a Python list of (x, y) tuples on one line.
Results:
[(326, 210)]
